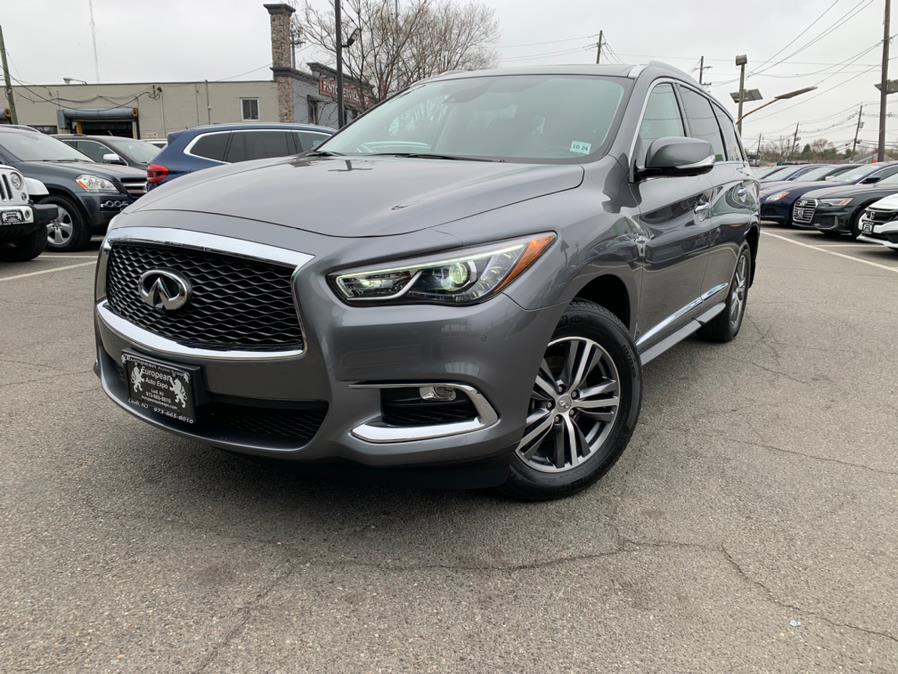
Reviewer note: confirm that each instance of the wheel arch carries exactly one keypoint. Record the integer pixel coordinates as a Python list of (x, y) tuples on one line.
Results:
[(56, 191), (610, 291)]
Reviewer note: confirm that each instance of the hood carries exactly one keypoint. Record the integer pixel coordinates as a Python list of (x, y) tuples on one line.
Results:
[(377, 196), (846, 191), (792, 187), (73, 169), (889, 203)]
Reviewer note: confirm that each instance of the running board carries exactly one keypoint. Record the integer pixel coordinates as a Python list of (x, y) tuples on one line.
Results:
[(681, 334)]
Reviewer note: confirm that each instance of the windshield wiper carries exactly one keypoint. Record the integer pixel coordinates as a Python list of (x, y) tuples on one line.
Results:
[(427, 155), (322, 153)]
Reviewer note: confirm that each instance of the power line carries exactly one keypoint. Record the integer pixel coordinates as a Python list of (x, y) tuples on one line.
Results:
[(563, 52), (794, 39), (539, 44)]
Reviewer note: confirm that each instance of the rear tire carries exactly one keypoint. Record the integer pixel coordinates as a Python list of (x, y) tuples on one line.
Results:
[(725, 326), (583, 408), (24, 249), (69, 231)]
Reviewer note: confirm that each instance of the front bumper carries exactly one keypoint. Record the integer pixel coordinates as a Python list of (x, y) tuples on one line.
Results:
[(19, 221), (488, 352), (885, 234), (102, 208), (832, 220), (777, 211)]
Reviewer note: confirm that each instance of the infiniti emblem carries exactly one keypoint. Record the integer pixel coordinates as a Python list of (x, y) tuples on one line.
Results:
[(163, 289)]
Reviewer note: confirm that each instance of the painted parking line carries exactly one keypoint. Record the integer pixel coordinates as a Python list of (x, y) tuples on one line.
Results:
[(65, 256), (4, 279), (832, 252)]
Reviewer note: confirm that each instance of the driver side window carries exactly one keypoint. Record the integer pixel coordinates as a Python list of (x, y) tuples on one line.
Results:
[(662, 118)]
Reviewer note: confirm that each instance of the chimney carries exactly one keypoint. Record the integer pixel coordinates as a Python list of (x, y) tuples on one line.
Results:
[(281, 58)]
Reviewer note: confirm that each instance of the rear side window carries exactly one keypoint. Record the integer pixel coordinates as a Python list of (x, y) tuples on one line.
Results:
[(211, 146), (246, 145), (309, 140), (92, 149), (730, 139), (662, 118), (702, 122)]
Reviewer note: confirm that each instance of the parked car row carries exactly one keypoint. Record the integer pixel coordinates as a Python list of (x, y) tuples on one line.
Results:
[(88, 180)]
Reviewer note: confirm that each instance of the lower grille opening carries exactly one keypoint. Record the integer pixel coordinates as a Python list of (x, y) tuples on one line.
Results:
[(406, 407), (278, 424)]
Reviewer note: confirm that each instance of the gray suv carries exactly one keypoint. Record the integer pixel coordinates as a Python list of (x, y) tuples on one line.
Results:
[(472, 273)]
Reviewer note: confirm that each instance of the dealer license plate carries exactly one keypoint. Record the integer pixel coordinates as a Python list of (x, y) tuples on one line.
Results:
[(867, 226), (161, 387)]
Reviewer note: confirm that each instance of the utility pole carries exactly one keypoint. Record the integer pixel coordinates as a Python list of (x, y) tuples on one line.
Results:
[(794, 141), (759, 147), (857, 130), (93, 35), (10, 101), (701, 70), (884, 84), (741, 61), (338, 40), (599, 46)]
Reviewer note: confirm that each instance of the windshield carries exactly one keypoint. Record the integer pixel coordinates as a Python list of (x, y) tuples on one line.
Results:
[(38, 147), (856, 174), (512, 117), (780, 173), (816, 174), (138, 150)]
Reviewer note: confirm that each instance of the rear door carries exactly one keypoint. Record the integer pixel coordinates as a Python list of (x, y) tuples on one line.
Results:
[(672, 212)]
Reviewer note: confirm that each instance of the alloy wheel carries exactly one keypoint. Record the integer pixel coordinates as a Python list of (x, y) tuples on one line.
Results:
[(573, 406), (60, 230), (739, 290)]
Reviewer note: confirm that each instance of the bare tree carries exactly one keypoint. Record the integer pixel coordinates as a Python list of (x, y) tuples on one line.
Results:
[(402, 43)]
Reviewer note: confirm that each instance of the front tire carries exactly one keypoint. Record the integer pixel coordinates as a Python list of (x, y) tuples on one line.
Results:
[(24, 249), (583, 407), (69, 231)]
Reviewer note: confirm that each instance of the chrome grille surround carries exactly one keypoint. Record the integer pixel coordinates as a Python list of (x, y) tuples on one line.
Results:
[(803, 211), (264, 322)]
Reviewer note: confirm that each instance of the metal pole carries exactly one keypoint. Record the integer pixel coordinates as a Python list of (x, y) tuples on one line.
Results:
[(701, 70), (884, 84), (741, 96), (208, 105), (857, 130), (759, 147), (599, 46), (794, 141), (93, 37), (10, 100), (338, 38)]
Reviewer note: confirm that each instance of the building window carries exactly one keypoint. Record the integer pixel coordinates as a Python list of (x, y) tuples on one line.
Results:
[(313, 110), (249, 109)]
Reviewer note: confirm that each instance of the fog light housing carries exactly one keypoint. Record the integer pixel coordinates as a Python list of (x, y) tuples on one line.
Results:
[(436, 393)]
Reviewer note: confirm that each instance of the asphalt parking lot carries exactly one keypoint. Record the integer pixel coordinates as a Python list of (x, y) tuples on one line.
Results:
[(751, 525)]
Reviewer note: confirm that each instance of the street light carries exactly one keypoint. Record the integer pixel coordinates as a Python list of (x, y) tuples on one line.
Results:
[(69, 80), (741, 61), (781, 97)]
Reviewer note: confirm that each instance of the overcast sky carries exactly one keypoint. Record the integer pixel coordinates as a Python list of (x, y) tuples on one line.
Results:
[(164, 40)]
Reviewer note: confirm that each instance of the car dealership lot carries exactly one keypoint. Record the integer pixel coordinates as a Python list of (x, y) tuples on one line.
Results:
[(750, 524)]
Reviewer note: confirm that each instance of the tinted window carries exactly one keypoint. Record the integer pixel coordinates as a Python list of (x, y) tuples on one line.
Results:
[(730, 139), (662, 117), (246, 145), (211, 146), (92, 149), (309, 140), (702, 122)]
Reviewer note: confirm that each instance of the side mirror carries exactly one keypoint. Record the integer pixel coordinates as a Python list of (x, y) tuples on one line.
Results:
[(870, 180), (112, 158), (678, 156)]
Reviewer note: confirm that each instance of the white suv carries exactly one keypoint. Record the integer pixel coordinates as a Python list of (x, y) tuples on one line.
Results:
[(23, 224)]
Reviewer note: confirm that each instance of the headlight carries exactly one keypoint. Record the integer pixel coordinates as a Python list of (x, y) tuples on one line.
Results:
[(834, 202), (95, 184), (465, 278), (777, 196), (16, 180)]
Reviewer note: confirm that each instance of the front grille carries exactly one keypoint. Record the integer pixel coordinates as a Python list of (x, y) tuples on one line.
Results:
[(235, 303), (880, 217), (803, 212), (6, 192), (135, 187)]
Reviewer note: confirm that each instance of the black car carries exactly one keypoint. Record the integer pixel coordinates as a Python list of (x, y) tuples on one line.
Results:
[(113, 149), (474, 271), (837, 210), (88, 195)]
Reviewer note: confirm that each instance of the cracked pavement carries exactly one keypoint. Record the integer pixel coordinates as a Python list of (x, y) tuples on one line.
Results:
[(750, 526)]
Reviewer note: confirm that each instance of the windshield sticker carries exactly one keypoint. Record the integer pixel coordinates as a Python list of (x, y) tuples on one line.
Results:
[(579, 147)]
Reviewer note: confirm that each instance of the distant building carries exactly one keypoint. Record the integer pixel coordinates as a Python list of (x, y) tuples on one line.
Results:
[(155, 109)]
